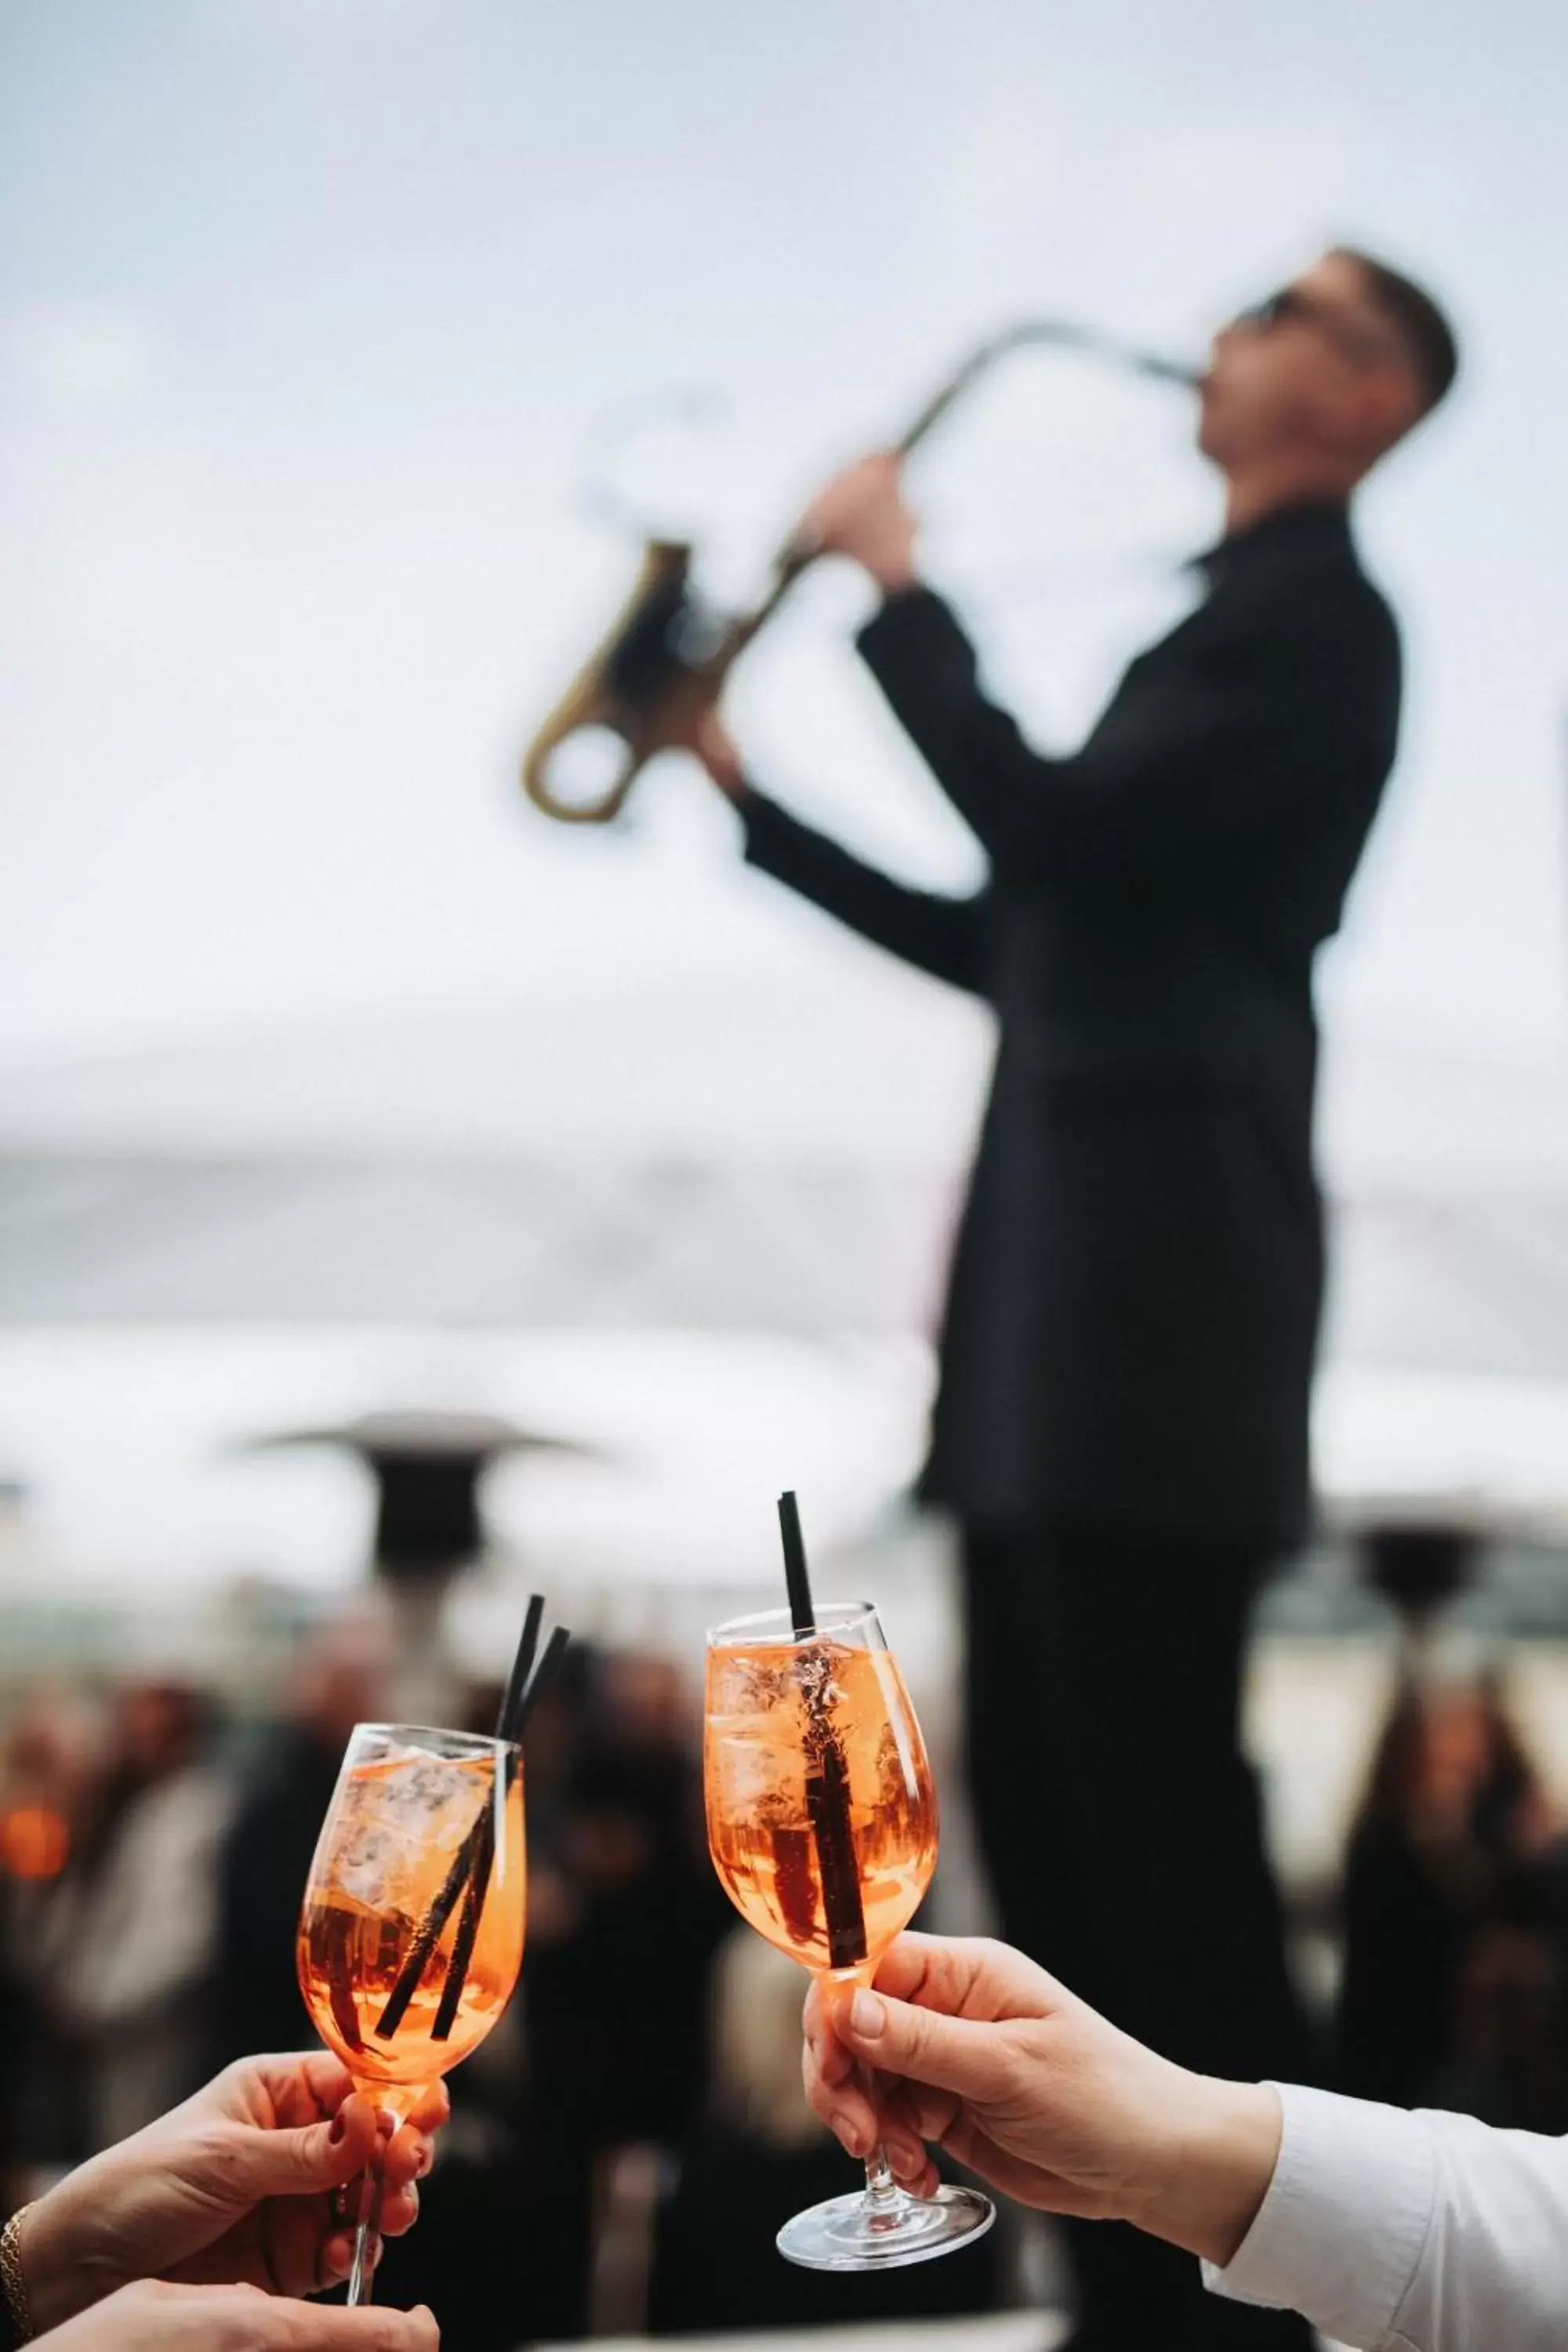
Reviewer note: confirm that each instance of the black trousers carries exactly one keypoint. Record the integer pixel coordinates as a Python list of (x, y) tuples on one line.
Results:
[(1121, 1831)]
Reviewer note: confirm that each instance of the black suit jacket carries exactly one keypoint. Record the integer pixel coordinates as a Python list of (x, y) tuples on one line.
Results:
[(1135, 1292)]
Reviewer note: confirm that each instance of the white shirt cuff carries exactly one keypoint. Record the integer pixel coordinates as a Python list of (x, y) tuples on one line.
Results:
[(1341, 2229)]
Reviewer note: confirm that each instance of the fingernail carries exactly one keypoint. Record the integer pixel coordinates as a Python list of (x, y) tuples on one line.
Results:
[(340, 2128), (867, 2015), (845, 2128), (386, 2123), (426, 2159), (903, 2154)]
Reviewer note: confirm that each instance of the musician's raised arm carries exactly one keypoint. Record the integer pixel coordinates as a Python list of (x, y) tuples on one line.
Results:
[(942, 935)]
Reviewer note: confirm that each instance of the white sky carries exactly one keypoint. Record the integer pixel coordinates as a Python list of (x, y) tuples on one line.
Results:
[(312, 313), (311, 309)]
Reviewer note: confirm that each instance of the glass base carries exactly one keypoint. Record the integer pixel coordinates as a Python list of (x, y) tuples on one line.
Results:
[(857, 2233)]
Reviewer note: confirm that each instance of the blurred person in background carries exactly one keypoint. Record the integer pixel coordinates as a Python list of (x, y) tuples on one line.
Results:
[(617, 1998), (342, 1676), (51, 1760), (615, 1986), (122, 1957), (1121, 1422), (1448, 1957)]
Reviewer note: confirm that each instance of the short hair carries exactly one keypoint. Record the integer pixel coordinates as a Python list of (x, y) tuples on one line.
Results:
[(1427, 340)]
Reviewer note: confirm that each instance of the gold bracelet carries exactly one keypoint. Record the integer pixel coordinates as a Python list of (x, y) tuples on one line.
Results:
[(11, 2282)]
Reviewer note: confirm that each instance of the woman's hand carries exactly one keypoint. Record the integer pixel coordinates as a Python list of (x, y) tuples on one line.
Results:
[(862, 513), (975, 2048), (237, 2185), (151, 2317)]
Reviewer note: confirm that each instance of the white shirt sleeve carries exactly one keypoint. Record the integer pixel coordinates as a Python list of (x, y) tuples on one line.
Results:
[(1424, 2233)]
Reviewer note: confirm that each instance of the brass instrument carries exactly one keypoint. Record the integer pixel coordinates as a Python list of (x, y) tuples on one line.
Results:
[(665, 659)]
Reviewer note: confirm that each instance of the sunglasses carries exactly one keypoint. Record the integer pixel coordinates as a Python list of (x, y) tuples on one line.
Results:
[(1290, 307)]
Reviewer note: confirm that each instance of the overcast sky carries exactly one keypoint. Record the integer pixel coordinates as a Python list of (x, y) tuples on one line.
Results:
[(314, 313)]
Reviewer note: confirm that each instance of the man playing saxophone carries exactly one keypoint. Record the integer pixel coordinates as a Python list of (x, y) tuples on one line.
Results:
[(1127, 1352)]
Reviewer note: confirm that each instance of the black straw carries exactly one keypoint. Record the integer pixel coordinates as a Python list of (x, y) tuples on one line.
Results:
[(468, 1925), (424, 1944), (475, 1858), (797, 1578), (549, 1664), (522, 1667), (827, 1772)]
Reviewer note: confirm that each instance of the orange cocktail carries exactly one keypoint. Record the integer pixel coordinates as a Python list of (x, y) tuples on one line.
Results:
[(412, 1925), (763, 1719), (822, 1825)]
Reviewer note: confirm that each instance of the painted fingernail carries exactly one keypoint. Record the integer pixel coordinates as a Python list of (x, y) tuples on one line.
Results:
[(904, 2156), (867, 2015)]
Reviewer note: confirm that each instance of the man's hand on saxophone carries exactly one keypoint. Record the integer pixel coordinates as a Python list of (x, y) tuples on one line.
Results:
[(862, 512)]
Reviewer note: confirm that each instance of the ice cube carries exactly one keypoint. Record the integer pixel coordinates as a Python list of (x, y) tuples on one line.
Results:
[(746, 1770), (759, 1776), (395, 1817), (816, 1673), (745, 1685)]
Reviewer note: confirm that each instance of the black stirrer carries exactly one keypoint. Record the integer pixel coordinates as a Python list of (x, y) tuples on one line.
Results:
[(522, 1695), (797, 1577), (513, 1717), (826, 1775), (521, 1665), (543, 1674), (475, 1857), (483, 1863)]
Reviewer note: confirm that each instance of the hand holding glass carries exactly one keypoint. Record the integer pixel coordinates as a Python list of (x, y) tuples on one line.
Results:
[(800, 1728), (412, 1926)]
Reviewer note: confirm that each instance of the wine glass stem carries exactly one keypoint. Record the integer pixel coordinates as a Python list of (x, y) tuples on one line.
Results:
[(882, 2192), (362, 2277)]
